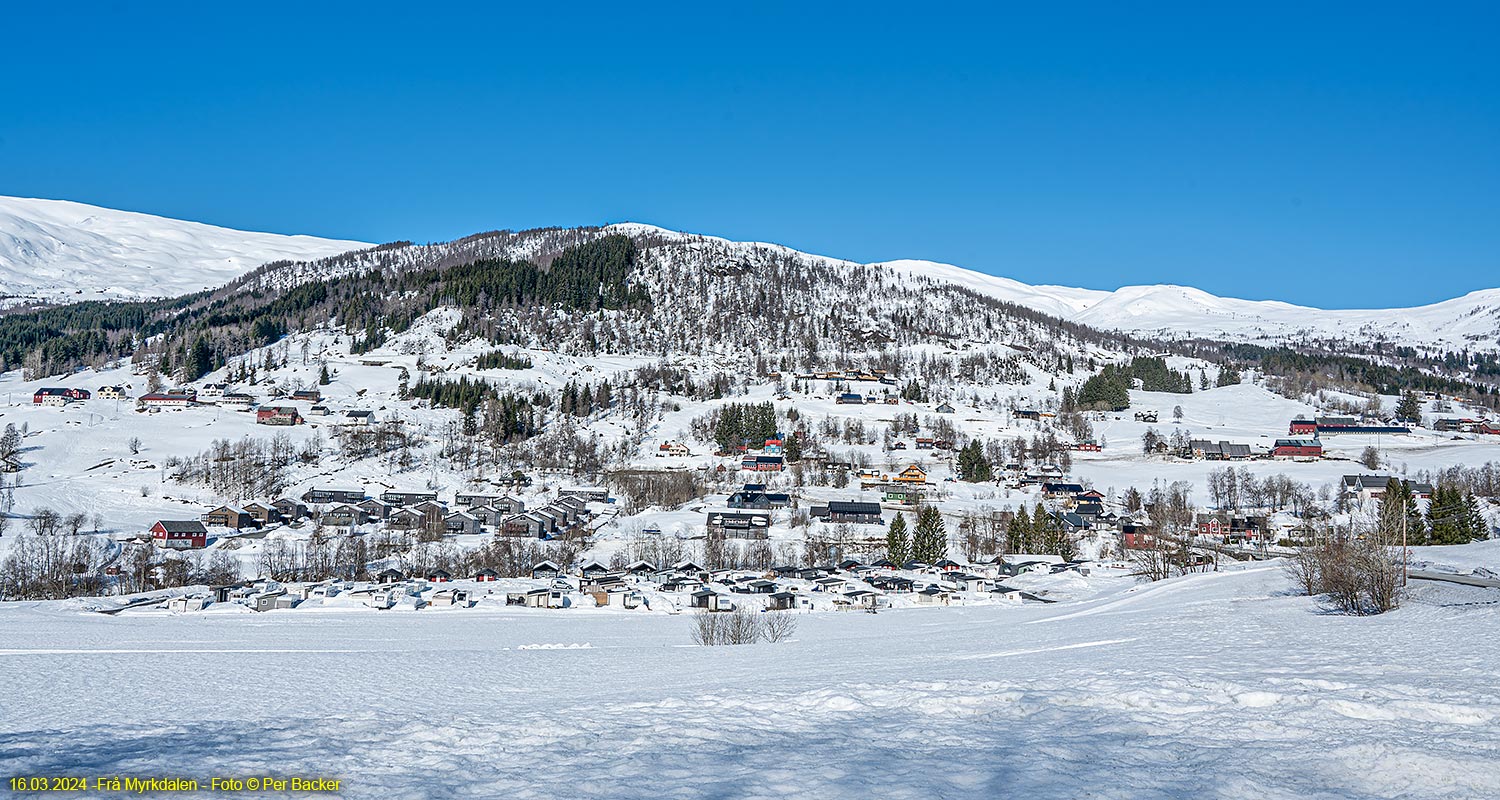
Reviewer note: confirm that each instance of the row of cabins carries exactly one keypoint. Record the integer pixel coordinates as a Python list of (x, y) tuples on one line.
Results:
[(872, 376), (396, 510), (857, 399), (1218, 451), (1466, 425), (193, 534), (1373, 487), (924, 443), (1303, 426)]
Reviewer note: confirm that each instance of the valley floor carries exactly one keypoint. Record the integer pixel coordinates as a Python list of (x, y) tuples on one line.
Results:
[(1218, 685)]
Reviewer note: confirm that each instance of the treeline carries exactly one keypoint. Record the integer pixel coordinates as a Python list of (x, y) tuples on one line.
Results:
[(735, 424), (506, 416), (1307, 372), (1038, 533), (1109, 390), (581, 400), (589, 277), (191, 335), (499, 359)]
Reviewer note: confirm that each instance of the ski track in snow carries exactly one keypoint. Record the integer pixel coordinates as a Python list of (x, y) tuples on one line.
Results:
[(1244, 693)]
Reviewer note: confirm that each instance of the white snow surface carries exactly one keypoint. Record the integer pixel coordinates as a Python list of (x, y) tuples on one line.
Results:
[(1219, 685), (61, 251)]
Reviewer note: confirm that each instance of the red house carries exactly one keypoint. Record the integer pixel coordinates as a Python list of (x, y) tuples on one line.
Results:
[(53, 391), (278, 415), (1301, 426), (1298, 448), (179, 534)]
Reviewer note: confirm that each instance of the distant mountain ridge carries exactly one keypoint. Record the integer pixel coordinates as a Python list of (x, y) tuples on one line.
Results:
[(61, 251)]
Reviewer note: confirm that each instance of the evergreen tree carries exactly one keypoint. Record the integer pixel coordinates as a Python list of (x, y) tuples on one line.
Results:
[(1410, 406), (897, 541), (1453, 517), (1018, 532), (1039, 529), (791, 450), (200, 362), (323, 379), (1228, 375), (1472, 526), (972, 464), (929, 544)]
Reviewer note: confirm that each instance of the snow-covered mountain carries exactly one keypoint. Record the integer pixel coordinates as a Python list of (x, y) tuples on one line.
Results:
[(1471, 321), (60, 251), (1177, 312)]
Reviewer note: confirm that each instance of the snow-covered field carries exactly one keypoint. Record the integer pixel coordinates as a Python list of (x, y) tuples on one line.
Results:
[(1222, 684), (1212, 685)]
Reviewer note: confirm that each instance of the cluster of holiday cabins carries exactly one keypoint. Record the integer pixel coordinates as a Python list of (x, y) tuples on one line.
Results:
[(848, 585), (749, 510), (220, 395), (469, 514)]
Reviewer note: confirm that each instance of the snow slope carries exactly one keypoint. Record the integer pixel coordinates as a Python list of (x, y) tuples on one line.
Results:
[(57, 250), (1471, 321), (1213, 685), (1184, 312)]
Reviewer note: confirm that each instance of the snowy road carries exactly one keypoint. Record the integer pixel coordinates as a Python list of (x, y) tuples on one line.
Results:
[(1218, 685)]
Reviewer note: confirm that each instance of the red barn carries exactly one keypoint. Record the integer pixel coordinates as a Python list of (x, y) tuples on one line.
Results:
[(1298, 448), (1301, 426), (180, 534)]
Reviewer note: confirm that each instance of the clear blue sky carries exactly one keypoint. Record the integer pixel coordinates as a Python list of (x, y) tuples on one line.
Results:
[(1336, 154)]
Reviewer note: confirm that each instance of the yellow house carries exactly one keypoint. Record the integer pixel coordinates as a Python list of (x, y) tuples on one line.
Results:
[(912, 474)]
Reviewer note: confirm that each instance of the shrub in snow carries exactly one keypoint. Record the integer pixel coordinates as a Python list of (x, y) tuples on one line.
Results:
[(1354, 576), (741, 626)]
